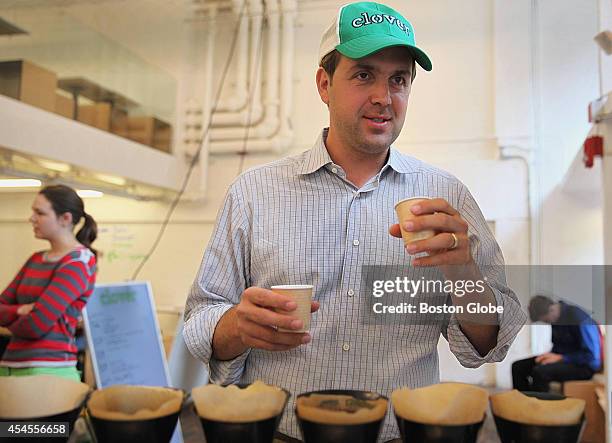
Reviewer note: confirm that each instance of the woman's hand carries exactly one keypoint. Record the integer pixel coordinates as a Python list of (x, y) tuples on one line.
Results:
[(25, 309)]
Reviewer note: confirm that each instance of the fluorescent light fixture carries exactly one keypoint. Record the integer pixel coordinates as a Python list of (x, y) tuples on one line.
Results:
[(119, 181), (20, 183), (54, 166), (89, 193)]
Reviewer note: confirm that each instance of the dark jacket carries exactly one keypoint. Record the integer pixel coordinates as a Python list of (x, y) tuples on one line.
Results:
[(575, 335)]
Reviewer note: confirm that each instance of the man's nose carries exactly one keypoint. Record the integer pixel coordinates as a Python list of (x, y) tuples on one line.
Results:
[(381, 95)]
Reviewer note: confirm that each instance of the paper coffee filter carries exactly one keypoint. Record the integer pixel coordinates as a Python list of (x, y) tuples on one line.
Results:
[(311, 408), (257, 401), (518, 407), (128, 403), (39, 396), (447, 404)]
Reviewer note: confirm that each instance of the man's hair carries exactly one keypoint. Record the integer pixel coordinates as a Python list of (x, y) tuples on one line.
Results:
[(330, 62), (538, 307)]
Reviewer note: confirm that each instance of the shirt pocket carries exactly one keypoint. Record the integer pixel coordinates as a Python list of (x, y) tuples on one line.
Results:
[(285, 258)]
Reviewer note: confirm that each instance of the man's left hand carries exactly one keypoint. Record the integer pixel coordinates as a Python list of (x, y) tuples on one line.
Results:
[(548, 358), (437, 214)]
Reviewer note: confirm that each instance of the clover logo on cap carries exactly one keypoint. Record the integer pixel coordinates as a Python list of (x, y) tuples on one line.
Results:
[(363, 28)]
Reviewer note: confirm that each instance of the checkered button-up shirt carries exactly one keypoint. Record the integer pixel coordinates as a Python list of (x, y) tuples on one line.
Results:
[(300, 221)]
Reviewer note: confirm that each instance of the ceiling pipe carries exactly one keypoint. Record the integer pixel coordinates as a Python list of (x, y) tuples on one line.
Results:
[(239, 97), (268, 125), (252, 109), (196, 190), (281, 139)]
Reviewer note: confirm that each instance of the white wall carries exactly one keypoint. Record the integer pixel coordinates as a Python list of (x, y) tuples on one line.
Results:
[(568, 80)]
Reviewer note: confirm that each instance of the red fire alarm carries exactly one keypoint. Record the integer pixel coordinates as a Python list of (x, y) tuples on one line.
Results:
[(593, 146)]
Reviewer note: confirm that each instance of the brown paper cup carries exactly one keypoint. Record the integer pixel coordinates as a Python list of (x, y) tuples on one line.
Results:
[(302, 295), (402, 208)]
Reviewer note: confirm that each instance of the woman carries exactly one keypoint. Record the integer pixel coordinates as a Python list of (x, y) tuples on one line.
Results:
[(42, 305)]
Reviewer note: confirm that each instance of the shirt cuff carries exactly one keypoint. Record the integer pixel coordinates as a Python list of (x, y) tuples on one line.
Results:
[(8, 314), (511, 320), (199, 332)]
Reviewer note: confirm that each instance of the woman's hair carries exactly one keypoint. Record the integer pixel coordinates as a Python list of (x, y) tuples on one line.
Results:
[(65, 199)]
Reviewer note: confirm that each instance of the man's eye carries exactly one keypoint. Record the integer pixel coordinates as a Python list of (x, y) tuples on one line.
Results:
[(399, 80), (363, 76)]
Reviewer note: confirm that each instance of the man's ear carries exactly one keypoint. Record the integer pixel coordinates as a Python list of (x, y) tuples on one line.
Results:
[(323, 82)]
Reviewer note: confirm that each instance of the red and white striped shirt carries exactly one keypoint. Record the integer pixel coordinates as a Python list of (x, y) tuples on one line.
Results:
[(59, 290)]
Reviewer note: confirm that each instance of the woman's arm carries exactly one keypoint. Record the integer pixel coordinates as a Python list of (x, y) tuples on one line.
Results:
[(69, 282), (8, 299)]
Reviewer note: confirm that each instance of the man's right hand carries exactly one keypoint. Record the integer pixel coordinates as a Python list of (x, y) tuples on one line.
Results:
[(253, 323)]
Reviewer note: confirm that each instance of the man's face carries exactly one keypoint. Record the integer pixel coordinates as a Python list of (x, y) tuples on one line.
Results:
[(553, 314), (367, 99)]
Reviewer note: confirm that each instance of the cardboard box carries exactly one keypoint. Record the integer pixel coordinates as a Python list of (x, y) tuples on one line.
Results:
[(150, 131), (594, 431), (64, 106), (97, 115), (30, 83), (119, 122)]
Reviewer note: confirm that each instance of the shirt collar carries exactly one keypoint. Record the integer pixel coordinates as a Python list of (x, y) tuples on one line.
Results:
[(318, 157)]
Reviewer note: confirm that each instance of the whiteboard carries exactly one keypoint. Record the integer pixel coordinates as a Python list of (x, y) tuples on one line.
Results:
[(124, 337)]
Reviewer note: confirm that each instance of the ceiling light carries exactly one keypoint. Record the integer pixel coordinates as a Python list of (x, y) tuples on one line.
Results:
[(89, 193), (119, 181), (54, 166), (20, 183)]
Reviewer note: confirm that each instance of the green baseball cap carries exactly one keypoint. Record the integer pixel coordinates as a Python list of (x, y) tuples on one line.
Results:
[(362, 28)]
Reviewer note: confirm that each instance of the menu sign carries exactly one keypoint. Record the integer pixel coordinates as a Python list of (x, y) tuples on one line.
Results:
[(124, 338)]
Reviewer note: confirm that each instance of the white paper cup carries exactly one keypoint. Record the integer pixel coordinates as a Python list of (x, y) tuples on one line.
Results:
[(302, 295), (402, 209)]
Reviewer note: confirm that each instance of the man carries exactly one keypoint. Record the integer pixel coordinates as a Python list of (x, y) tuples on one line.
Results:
[(576, 351), (319, 217)]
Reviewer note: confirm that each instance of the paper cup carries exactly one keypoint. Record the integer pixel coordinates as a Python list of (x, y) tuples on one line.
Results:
[(302, 295), (402, 208)]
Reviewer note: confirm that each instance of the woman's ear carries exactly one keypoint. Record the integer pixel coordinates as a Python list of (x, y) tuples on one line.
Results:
[(66, 219)]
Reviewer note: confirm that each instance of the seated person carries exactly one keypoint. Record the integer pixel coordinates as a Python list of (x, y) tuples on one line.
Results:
[(576, 352)]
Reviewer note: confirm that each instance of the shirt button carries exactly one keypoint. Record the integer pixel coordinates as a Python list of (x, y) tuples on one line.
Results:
[(346, 347), (355, 242), (351, 292), (334, 170)]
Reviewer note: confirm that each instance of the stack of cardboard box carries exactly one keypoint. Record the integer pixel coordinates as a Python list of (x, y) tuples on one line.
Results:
[(103, 116), (148, 131), (37, 86), (64, 106), (28, 82)]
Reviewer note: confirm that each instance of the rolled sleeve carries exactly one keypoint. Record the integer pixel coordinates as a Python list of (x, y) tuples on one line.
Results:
[(488, 256), (511, 320), (199, 330), (221, 280)]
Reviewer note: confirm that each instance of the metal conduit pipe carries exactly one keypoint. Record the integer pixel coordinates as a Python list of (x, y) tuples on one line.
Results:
[(281, 138), (268, 125), (252, 109)]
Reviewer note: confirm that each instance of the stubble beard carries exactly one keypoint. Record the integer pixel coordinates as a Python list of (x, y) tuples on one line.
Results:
[(356, 138)]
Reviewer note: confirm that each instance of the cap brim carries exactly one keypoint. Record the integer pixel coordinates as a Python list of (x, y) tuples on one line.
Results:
[(369, 44)]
